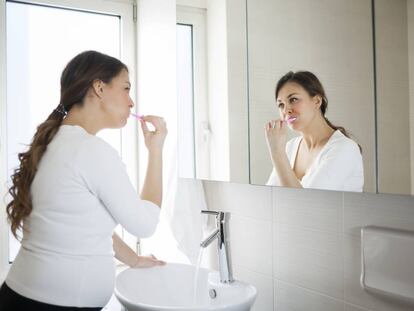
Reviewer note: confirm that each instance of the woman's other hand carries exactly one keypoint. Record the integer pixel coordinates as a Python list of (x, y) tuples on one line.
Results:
[(148, 261), (154, 140), (276, 135)]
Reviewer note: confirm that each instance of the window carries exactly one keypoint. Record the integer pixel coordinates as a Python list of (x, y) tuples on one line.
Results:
[(193, 111), (185, 101)]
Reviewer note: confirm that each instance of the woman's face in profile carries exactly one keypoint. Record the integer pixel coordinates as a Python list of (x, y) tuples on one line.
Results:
[(117, 101), (296, 106)]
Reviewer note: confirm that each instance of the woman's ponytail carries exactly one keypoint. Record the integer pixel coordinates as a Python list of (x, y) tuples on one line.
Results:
[(21, 204)]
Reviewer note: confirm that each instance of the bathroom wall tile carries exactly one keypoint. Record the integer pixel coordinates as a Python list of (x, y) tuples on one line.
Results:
[(288, 297), (392, 65), (239, 199), (315, 238), (312, 209), (308, 242), (308, 258), (363, 209), (251, 244), (350, 307), (263, 284), (352, 248)]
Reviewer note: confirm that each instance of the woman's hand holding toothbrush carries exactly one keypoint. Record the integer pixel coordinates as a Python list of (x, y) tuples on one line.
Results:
[(154, 140)]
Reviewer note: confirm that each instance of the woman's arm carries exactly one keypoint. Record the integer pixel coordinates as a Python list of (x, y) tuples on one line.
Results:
[(152, 187), (276, 138), (285, 172), (154, 140), (126, 255)]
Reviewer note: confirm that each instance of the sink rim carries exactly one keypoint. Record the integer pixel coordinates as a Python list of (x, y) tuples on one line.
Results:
[(123, 299)]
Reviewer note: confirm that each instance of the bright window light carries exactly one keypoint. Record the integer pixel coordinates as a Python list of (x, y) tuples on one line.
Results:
[(186, 148)]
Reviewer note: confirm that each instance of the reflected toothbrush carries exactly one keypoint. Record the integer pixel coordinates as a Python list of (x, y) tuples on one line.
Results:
[(291, 119)]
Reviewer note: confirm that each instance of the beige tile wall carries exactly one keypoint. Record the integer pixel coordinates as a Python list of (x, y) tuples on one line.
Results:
[(392, 97), (300, 248), (237, 90), (410, 12)]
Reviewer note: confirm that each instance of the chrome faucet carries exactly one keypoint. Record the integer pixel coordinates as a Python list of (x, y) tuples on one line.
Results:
[(222, 234)]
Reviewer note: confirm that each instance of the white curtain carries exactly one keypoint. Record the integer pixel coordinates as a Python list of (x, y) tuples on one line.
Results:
[(183, 203)]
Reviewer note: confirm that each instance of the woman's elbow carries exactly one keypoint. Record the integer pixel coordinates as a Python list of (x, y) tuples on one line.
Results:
[(148, 229), (148, 224)]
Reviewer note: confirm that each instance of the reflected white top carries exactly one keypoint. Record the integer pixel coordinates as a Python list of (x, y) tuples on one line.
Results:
[(81, 191), (338, 166)]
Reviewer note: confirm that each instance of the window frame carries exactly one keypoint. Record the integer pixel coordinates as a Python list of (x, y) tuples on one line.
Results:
[(196, 17)]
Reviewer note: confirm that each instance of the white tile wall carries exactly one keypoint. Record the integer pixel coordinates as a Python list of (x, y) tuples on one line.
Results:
[(308, 247), (301, 248), (249, 226), (371, 209), (312, 209), (263, 284), (377, 209), (307, 258), (257, 236), (350, 307), (240, 199), (288, 297)]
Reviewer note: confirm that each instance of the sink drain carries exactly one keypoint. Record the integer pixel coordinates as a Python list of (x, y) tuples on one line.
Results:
[(213, 294)]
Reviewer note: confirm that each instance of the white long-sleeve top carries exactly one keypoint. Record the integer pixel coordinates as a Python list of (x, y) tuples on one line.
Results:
[(338, 165), (80, 192)]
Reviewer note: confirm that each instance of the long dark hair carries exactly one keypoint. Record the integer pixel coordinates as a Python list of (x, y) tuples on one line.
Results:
[(77, 77), (313, 87)]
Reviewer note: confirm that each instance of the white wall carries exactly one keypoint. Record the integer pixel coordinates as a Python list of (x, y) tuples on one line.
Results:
[(301, 248)]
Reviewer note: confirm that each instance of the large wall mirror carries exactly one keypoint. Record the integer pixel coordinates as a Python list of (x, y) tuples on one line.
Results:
[(235, 51)]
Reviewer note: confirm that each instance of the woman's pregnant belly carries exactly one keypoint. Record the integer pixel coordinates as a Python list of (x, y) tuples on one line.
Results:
[(60, 279)]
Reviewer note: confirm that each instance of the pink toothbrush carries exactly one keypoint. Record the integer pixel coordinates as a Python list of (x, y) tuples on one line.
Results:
[(137, 116)]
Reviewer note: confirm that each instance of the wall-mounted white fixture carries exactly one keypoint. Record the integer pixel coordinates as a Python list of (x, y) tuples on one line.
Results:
[(387, 266)]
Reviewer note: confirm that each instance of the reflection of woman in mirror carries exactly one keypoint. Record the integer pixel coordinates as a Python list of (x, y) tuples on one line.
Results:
[(322, 156)]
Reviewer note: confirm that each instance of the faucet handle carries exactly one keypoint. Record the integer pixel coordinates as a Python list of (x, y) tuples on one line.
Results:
[(210, 212), (220, 216)]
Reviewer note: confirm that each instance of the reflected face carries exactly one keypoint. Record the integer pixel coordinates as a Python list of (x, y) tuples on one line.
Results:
[(296, 106), (116, 100)]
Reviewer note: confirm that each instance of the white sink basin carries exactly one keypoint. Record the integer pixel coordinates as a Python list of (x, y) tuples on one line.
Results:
[(171, 287)]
